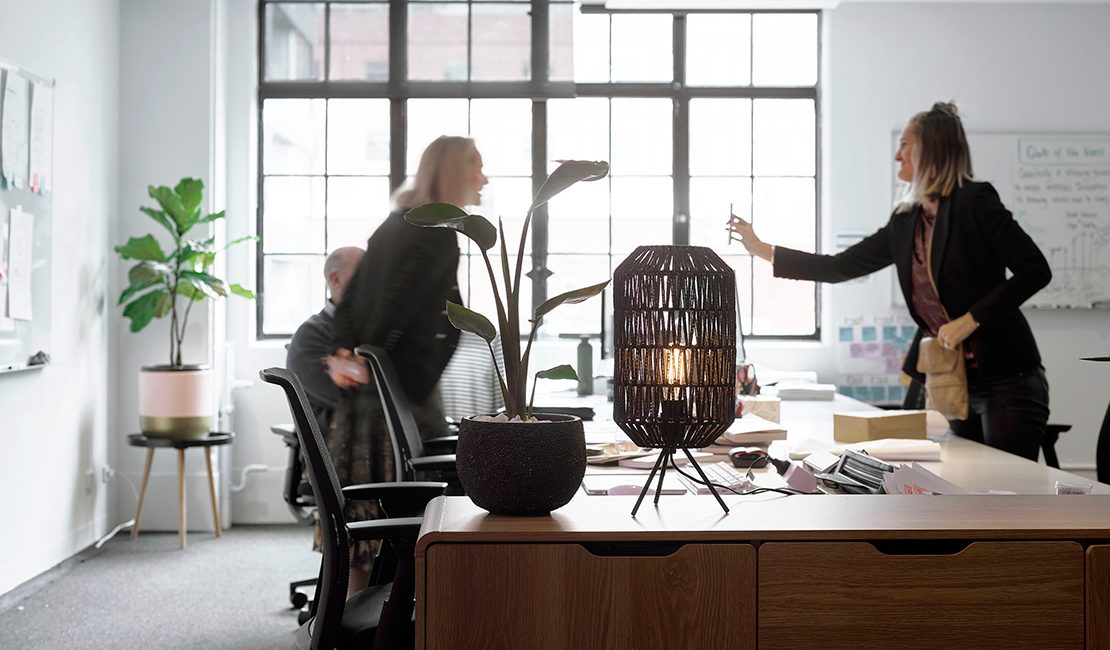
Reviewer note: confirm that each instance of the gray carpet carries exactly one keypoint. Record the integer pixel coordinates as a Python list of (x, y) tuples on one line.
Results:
[(227, 592)]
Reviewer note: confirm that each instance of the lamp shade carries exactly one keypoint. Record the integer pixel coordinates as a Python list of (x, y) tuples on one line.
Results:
[(674, 346)]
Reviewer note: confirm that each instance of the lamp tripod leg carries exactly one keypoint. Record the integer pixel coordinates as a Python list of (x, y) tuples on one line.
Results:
[(708, 483), (647, 484), (664, 456)]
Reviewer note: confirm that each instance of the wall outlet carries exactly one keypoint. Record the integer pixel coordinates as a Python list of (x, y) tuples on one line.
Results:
[(90, 480), (106, 473)]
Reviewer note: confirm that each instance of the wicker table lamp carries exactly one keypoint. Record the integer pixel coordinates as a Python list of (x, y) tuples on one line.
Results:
[(674, 343)]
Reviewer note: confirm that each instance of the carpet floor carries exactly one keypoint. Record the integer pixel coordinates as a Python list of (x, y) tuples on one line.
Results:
[(227, 592)]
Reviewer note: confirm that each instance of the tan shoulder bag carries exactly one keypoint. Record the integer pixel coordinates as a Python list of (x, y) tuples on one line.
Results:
[(945, 378)]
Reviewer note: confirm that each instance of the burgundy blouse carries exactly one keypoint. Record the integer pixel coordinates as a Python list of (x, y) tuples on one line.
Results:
[(926, 301)]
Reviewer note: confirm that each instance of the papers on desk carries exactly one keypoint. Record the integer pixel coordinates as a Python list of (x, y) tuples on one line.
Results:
[(648, 461), (752, 430), (915, 479), (888, 449), (632, 484), (803, 390)]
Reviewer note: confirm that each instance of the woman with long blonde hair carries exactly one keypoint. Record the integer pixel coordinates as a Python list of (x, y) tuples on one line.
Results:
[(952, 243)]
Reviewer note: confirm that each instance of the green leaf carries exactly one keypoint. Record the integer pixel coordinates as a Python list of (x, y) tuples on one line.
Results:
[(134, 289), (142, 248), (470, 321), (240, 290), (558, 372), (160, 217), (190, 192), (211, 217), (570, 297), (445, 215), (141, 310), (187, 290), (200, 280), (171, 205), (566, 174), (164, 306), (434, 214), (147, 271)]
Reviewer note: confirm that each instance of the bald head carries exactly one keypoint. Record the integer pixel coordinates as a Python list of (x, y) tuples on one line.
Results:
[(338, 269)]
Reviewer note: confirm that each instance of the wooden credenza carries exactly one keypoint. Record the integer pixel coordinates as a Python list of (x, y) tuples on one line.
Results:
[(799, 572)]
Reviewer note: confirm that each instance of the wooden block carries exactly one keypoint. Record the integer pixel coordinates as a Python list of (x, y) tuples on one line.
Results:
[(768, 407), (873, 425)]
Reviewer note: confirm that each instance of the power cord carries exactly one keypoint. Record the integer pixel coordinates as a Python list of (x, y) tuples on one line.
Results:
[(127, 524), (758, 490)]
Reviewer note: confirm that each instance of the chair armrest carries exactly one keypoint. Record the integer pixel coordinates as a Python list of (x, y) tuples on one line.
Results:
[(445, 443), (402, 527), (398, 499), (440, 463)]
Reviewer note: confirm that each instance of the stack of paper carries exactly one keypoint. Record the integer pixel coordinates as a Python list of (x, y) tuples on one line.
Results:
[(915, 479), (804, 390), (889, 449), (752, 430)]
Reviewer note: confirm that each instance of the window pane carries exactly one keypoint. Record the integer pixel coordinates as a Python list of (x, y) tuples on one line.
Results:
[(481, 295), (428, 119), (784, 137), (293, 136), (578, 219), (294, 41), (293, 214), (358, 136), (356, 207), (784, 212), (642, 48), (591, 48), (641, 137), (360, 42), (742, 265), (721, 136), (642, 213), (561, 42), (784, 49), (502, 129), (577, 129), (294, 290), (437, 42), (718, 50), (501, 47), (507, 199), (570, 272), (709, 203), (781, 307)]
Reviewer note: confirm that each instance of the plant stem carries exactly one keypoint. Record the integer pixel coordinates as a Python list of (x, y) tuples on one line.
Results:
[(184, 322), (500, 378), (532, 401)]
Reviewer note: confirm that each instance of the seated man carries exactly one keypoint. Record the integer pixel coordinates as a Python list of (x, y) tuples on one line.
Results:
[(311, 343)]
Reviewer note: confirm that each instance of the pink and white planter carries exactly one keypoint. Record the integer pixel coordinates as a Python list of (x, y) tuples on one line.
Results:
[(175, 401)]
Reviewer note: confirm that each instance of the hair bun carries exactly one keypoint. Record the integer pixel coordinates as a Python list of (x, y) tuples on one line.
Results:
[(947, 108)]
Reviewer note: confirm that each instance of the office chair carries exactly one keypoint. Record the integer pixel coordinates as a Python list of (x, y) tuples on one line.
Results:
[(297, 494), (382, 613), (1102, 450), (410, 451)]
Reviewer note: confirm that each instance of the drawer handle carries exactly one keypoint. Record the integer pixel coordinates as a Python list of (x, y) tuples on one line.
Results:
[(921, 546), (632, 549)]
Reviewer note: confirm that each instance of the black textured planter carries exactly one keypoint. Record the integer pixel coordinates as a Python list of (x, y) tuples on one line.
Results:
[(514, 468)]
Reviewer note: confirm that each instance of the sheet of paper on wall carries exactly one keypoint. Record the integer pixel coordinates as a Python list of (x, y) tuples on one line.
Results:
[(21, 229), (42, 138), (14, 130), (6, 324)]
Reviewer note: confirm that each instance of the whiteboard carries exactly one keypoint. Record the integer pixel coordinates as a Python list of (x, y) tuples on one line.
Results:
[(1058, 187), (21, 338)]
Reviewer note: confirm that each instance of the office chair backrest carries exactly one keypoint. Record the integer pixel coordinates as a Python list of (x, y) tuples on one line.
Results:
[(404, 433), (330, 503)]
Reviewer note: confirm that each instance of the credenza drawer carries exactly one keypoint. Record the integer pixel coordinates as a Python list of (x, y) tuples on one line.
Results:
[(929, 595), (1098, 597), (577, 596)]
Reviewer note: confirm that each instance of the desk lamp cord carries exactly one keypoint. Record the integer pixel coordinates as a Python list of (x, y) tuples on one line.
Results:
[(759, 490)]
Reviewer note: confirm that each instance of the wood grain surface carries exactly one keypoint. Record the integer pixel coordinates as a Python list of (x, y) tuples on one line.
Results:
[(1098, 597), (989, 595)]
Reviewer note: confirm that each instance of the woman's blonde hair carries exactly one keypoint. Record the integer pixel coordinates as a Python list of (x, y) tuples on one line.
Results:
[(441, 175), (941, 157)]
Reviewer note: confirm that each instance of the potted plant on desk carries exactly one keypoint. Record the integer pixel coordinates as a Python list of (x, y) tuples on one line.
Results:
[(515, 463), (175, 398)]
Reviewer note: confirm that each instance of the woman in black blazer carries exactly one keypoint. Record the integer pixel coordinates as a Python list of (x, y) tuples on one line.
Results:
[(951, 242)]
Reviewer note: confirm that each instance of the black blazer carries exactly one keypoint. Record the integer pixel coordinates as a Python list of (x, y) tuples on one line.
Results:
[(975, 240), (397, 299)]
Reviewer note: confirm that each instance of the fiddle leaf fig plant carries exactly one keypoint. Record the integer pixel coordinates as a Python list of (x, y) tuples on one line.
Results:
[(160, 277), (514, 382)]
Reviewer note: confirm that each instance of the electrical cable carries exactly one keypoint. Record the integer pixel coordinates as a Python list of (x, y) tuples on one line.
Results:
[(127, 524), (758, 490)]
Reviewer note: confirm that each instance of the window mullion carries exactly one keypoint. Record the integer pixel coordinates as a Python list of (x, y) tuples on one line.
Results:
[(680, 145)]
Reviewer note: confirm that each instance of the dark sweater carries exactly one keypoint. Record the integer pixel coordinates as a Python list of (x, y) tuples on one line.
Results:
[(397, 299), (311, 342)]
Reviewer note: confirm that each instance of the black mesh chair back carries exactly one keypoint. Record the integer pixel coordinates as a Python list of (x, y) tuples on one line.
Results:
[(330, 503), (407, 443)]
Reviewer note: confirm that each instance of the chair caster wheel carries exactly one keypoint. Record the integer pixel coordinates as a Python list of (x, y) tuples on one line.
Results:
[(299, 599)]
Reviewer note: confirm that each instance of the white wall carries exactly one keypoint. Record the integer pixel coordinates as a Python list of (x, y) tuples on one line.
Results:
[(54, 422), (169, 67), (1010, 68)]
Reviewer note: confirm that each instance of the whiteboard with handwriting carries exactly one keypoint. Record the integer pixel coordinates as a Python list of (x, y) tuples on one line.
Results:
[(1058, 187)]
